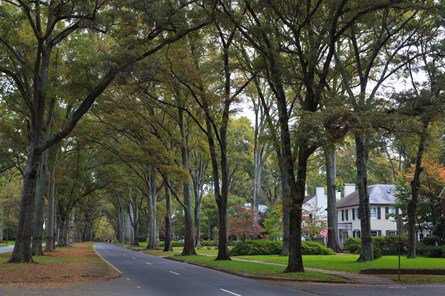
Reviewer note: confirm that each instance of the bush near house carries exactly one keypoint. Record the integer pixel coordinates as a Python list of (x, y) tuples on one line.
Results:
[(431, 251), (382, 245), (268, 247), (431, 240)]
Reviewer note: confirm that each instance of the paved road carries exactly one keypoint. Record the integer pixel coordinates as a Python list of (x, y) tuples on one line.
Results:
[(6, 249), (148, 275)]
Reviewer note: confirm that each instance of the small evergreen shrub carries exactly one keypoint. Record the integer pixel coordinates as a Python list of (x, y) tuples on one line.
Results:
[(439, 230), (268, 247), (209, 243), (352, 245), (431, 251), (315, 248), (431, 240)]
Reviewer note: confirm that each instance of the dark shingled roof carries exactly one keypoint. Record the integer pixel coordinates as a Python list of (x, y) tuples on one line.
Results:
[(383, 194)]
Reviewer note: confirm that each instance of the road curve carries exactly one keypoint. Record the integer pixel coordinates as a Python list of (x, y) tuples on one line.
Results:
[(158, 276)]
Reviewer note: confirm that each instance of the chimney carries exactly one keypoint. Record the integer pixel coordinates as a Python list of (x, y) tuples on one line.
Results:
[(348, 188), (321, 201), (338, 194)]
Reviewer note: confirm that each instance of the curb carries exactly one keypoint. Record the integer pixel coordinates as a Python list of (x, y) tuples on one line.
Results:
[(259, 277), (112, 266)]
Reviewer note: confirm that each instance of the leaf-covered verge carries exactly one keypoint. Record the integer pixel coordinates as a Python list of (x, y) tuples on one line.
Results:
[(65, 266)]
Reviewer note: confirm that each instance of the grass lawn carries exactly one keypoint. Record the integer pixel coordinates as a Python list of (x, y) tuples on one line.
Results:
[(258, 269), (347, 262), (10, 243), (418, 279)]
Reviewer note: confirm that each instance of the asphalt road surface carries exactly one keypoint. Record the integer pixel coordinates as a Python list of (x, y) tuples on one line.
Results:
[(6, 249), (143, 274)]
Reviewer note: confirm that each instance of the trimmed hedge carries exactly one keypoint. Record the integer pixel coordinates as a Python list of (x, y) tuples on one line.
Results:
[(268, 247), (382, 245)]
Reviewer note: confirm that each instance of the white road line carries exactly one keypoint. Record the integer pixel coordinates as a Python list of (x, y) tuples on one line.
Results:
[(174, 272), (148, 263), (227, 291), (133, 258)]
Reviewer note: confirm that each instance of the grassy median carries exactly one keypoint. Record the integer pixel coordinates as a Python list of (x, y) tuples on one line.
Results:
[(347, 262), (258, 269)]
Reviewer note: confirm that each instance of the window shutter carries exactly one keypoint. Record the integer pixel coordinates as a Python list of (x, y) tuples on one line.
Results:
[(379, 216), (386, 213), (353, 214), (343, 215)]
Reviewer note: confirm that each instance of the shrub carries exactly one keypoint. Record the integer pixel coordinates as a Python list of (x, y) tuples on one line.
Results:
[(431, 240), (209, 243), (256, 247), (268, 247), (439, 230), (431, 251), (389, 244), (315, 248), (352, 245), (178, 243), (381, 245)]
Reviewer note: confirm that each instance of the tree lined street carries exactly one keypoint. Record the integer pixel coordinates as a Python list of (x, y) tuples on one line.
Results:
[(286, 139)]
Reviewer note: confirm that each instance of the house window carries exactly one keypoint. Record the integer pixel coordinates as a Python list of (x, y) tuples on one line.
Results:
[(343, 215), (376, 233), (373, 212), (347, 218), (392, 232), (390, 212), (356, 233)]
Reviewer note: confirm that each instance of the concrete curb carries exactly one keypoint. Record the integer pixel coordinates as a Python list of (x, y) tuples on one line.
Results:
[(109, 264), (259, 277)]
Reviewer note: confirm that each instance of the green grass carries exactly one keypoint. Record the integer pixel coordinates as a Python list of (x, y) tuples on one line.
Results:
[(258, 269), (418, 279), (347, 262), (10, 243)]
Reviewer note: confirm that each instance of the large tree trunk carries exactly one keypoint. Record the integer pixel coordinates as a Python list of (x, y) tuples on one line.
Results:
[(22, 247), (151, 199), (332, 199), (189, 247), (361, 151), (415, 186), (197, 223), (62, 239), (297, 191), (168, 224), (198, 182), (51, 206), (135, 221), (37, 235)]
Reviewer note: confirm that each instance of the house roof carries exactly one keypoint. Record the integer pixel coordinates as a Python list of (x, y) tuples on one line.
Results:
[(308, 198), (383, 194)]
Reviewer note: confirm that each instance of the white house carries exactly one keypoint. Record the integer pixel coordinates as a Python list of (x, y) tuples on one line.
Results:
[(381, 200)]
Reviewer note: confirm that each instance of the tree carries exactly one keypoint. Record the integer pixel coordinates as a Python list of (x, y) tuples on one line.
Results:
[(50, 27), (243, 224)]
